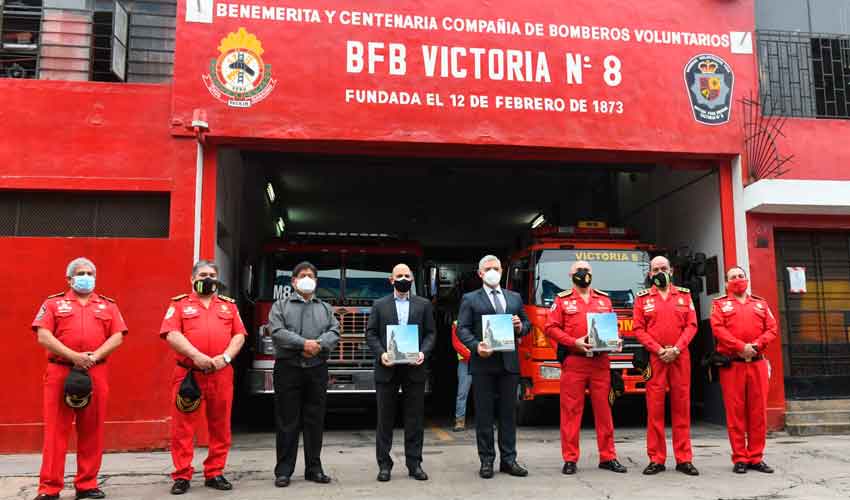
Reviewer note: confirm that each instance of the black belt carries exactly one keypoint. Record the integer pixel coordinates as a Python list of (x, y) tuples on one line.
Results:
[(68, 363), (742, 360)]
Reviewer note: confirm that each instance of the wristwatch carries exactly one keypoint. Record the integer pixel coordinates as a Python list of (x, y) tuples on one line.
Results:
[(227, 358)]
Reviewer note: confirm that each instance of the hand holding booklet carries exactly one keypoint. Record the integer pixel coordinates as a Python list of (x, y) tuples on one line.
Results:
[(497, 331), (602, 331), (403, 344)]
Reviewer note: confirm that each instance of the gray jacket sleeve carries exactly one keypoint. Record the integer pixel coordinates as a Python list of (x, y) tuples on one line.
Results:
[(330, 337), (283, 338)]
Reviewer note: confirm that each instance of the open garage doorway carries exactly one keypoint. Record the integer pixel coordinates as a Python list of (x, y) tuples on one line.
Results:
[(357, 215)]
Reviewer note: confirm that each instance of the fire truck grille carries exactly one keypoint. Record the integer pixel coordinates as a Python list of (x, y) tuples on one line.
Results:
[(352, 350)]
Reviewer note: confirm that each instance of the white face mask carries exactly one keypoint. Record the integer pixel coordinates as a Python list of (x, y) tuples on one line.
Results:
[(492, 277), (306, 284)]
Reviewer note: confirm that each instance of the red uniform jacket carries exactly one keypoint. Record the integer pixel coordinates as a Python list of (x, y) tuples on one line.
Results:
[(735, 324), (664, 323), (209, 330), (82, 328), (567, 319)]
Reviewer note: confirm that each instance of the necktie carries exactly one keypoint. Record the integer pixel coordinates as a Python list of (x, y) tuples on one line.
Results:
[(497, 304)]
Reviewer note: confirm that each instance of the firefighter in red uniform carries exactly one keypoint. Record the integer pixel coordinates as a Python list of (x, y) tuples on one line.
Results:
[(567, 325), (79, 329), (744, 326), (665, 322), (206, 333)]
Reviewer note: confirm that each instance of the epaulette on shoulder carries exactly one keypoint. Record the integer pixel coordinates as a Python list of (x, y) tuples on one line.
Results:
[(600, 292), (643, 292), (56, 295), (227, 299), (722, 297), (104, 297), (683, 289), (758, 298), (566, 293), (180, 297)]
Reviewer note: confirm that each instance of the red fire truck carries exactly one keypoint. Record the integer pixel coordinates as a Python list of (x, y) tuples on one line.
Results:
[(353, 272), (541, 270)]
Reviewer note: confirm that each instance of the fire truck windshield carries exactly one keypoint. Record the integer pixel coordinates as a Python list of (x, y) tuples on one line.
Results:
[(367, 276), (619, 273), (342, 276), (279, 275)]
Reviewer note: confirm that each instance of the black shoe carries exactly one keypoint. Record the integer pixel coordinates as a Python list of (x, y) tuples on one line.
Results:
[(45, 496), (218, 483), (569, 468), (761, 467), (384, 475), (486, 471), (92, 493), (687, 468), (417, 473), (740, 468), (654, 468), (281, 481), (613, 466), (180, 486), (513, 468), (318, 477)]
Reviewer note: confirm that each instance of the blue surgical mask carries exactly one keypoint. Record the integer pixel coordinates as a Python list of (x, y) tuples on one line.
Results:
[(83, 283)]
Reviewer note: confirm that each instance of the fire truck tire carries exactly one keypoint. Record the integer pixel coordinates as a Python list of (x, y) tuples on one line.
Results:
[(527, 411)]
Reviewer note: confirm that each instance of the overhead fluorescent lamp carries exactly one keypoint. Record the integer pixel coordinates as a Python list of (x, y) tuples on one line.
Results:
[(281, 226), (538, 221), (270, 192)]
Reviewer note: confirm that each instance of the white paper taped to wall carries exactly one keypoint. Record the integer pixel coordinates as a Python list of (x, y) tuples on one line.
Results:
[(796, 279)]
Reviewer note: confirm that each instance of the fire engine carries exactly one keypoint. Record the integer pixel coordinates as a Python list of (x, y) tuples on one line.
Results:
[(540, 270), (353, 273)]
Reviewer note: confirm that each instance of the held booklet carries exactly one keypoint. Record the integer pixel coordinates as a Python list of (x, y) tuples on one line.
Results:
[(403, 344), (602, 331), (497, 331)]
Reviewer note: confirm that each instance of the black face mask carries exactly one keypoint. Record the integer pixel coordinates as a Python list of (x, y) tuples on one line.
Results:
[(661, 280), (582, 278), (402, 286), (206, 286)]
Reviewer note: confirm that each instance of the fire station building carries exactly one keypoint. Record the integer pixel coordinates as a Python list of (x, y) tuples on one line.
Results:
[(145, 134)]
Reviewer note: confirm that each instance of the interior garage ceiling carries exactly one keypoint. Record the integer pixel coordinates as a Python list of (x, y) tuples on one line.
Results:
[(439, 202)]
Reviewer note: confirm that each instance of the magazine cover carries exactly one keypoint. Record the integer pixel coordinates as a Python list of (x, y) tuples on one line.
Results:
[(403, 343), (497, 331), (602, 331)]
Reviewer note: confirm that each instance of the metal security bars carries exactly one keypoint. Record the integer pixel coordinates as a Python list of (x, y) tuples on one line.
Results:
[(804, 74), (100, 40)]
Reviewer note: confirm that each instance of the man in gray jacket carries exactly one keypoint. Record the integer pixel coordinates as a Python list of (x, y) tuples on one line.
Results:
[(305, 331)]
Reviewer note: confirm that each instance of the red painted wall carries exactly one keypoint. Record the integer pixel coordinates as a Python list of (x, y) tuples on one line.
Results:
[(308, 63), (94, 136), (819, 148)]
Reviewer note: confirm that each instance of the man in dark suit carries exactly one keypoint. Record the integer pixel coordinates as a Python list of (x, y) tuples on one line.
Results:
[(401, 308), (495, 375)]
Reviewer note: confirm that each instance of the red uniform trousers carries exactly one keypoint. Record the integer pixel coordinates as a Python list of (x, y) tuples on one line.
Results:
[(58, 417), (745, 387), (577, 373), (216, 402), (676, 376)]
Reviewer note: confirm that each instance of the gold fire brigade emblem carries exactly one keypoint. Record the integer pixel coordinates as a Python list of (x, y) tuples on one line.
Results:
[(238, 77)]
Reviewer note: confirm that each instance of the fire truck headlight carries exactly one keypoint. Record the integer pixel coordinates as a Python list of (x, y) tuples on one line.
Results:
[(550, 372)]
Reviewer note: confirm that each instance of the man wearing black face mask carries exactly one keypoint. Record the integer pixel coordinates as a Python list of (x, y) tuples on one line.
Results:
[(400, 308), (582, 369), (665, 322), (206, 333)]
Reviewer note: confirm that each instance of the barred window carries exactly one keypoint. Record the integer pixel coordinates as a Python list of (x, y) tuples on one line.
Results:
[(84, 214)]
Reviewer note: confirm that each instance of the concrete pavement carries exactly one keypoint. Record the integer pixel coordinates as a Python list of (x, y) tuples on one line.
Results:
[(806, 468)]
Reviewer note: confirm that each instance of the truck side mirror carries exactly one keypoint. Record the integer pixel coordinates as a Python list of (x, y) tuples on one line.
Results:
[(248, 280)]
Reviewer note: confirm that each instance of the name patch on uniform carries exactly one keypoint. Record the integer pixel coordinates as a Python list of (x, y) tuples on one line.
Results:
[(63, 306), (189, 310)]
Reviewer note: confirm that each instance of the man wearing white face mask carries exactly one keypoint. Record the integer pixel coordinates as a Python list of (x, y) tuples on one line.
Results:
[(305, 331), (495, 375)]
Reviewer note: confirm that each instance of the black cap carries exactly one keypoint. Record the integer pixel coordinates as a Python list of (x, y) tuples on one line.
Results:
[(189, 395), (78, 388)]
